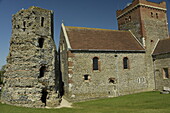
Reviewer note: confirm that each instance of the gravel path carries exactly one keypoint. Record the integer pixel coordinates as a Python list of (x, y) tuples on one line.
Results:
[(65, 103)]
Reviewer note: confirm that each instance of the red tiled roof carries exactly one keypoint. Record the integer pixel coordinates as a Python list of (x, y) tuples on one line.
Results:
[(101, 39), (163, 46)]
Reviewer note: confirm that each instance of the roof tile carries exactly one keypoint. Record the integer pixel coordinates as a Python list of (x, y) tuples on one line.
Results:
[(101, 39), (162, 47)]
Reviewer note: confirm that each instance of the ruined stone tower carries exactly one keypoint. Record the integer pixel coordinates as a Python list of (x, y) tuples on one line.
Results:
[(30, 78), (148, 22)]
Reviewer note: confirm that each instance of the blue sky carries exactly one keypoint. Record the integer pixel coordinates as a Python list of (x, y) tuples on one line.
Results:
[(83, 13)]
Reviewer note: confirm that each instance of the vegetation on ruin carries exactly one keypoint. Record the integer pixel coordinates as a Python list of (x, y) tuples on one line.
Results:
[(148, 102)]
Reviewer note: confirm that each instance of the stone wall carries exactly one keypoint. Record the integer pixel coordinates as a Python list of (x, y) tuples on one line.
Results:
[(131, 21), (148, 22), (30, 78), (127, 81), (64, 63), (155, 28), (161, 62)]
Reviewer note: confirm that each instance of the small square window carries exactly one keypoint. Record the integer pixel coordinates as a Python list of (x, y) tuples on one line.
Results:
[(86, 78), (112, 80)]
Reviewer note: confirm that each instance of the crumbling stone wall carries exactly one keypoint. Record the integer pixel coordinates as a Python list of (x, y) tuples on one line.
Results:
[(126, 81), (30, 78)]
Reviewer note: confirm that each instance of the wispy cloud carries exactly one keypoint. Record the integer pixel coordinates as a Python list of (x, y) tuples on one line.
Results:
[(127, 4)]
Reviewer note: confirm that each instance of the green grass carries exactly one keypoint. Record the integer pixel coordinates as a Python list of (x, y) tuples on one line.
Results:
[(148, 102)]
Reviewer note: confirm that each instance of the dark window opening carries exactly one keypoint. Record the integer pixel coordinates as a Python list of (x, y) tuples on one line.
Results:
[(130, 18), (24, 24), (157, 15), (33, 12), (24, 29), (151, 14), (125, 63), (42, 71), (41, 42), (112, 80), (165, 73), (44, 96), (95, 63), (17, 26), (86, 77), (42, 21)]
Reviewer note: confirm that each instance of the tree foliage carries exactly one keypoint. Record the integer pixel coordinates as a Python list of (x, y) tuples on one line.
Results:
[(2, 71)]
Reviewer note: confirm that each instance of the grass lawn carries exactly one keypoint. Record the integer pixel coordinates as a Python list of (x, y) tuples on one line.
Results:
[(148, 102)]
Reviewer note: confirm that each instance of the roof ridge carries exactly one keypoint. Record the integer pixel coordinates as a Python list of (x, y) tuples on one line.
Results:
[(88, 28)]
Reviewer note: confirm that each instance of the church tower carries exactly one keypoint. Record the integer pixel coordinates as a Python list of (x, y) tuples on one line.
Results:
[(148, 22), (30, 78)]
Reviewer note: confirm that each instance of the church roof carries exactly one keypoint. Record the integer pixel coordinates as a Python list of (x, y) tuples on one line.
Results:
[(81, 38), (162, 47)]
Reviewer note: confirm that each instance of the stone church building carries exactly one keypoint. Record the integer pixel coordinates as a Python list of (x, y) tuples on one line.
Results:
[(99, 63), (90, 63)]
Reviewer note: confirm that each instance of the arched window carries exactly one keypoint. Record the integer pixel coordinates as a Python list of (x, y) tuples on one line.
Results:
[(41, 42), (95, 63), (42, 72), (125, 63)]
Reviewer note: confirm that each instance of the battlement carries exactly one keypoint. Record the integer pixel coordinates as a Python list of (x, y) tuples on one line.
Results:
[(137, 3)]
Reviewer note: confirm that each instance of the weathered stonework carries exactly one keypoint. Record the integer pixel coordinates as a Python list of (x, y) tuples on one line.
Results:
[(125, 65), (161, 62), (127, 81), (147, 21), (30, 78)]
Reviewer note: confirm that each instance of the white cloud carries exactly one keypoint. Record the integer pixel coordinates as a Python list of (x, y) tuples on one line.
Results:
[(127, 4)]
